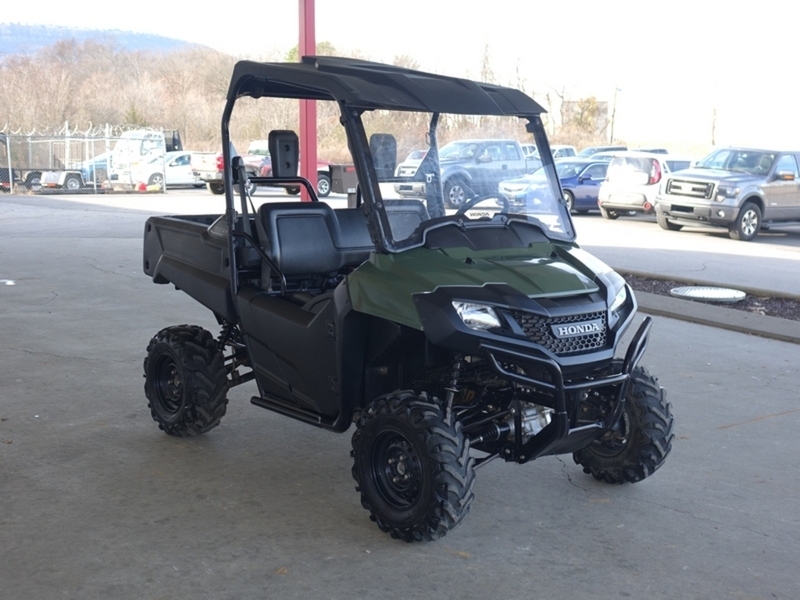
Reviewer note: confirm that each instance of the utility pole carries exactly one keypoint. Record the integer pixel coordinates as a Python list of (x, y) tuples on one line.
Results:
[(613, 114)]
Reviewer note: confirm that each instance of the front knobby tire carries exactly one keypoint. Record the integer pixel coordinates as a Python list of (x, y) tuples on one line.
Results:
[(412, 467), (640, 445), (185, 380)]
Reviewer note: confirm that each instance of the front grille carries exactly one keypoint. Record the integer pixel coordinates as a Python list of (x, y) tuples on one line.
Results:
[(692, 189), (539, 330), (407, 171)]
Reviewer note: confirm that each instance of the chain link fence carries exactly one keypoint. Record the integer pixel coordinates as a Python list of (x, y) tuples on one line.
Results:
[(99, 159)]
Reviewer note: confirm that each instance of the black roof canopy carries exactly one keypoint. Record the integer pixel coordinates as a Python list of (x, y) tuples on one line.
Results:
[(370, 85)]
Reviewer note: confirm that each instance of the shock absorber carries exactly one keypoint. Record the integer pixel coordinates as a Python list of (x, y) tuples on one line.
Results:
[(225, 334), (452, 386)]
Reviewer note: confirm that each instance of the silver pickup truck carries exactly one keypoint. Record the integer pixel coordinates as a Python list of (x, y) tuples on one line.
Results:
[(742, 189)]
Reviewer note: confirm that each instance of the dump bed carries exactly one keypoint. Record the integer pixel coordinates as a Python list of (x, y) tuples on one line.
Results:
[(191, 252)]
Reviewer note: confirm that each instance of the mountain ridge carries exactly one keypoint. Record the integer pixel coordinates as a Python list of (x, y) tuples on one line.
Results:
[(28, 39)]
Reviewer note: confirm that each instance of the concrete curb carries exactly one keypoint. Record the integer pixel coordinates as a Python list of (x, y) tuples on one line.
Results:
[(775, 328)]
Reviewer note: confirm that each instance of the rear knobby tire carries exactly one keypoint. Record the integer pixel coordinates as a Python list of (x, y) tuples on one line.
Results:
[(185, 380), (644, 438), (412, 466)]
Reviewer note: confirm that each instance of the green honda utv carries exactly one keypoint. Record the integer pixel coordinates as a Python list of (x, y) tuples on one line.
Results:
[(449, 337)]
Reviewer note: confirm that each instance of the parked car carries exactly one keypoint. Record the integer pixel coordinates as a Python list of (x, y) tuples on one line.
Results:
[(652, 150), (632, 182), (95, 170), (323, 176), (558, 151), (561, 151), (592, 150), (409, 166), (580, 181), (741, 189), (605, 156), (468, 167), (175, 165)]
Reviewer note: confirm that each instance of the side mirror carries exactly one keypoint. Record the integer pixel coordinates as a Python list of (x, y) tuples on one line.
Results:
[(784, 176), (484, 158)]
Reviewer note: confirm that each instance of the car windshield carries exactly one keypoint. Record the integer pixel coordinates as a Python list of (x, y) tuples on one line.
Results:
[(461, 184), (458, 150), (754, 162), (630, 167), (568, 169)]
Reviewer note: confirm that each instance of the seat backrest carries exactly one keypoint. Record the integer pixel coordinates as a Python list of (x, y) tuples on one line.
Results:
[(300, 237), (354, 241), (405, 216)]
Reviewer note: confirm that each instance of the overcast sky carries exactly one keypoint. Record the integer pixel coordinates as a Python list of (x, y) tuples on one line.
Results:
[(674, 63)]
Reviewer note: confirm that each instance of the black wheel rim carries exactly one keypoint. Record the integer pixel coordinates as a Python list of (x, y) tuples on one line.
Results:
[(396, 469), (169, 385), (617, 440)]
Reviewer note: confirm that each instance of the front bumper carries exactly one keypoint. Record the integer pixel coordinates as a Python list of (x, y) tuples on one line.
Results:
[(558, 437), (412, 189), (720, 215)]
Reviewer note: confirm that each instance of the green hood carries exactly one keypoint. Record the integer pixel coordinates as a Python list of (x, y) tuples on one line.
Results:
[(385, 285)]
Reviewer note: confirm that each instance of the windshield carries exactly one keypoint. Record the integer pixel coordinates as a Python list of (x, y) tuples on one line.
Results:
[(744, 161), (569, 169), (475, 180)]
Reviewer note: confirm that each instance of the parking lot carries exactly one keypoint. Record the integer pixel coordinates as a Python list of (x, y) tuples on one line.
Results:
[(96, 502)]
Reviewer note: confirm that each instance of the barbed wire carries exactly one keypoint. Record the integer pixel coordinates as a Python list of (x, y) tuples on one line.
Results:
[(89, 130)]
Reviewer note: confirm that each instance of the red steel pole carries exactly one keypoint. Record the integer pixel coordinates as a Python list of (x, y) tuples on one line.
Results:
[(308, 108)]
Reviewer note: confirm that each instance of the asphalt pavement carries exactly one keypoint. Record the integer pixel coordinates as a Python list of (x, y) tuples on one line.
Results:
[(96, 502)]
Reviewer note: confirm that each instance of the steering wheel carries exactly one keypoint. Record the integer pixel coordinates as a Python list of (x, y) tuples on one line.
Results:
[(480, 198)]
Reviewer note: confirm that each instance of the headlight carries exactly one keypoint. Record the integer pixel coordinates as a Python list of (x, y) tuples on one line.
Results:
[(726, 191), (514, 188), (477, 316), (619, 299)]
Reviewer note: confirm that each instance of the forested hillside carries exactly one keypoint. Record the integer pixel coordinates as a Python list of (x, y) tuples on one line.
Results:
[(88, 84)]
